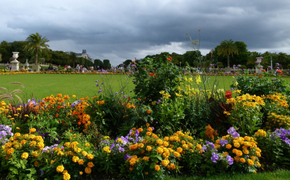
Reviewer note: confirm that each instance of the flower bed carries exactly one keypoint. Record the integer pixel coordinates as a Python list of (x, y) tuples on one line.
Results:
[(168, 128)]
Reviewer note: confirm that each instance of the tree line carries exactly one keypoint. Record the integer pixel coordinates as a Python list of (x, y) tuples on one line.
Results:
[(226, 54)]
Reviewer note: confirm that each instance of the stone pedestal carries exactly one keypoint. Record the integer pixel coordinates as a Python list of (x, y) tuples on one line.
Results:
[(14, 65), (258, 69), (36, 67)]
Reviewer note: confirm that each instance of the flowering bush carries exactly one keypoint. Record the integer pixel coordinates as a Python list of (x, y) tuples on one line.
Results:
[(245, 113), (259, 85), (275, 147), (22, 155), (151, 77)]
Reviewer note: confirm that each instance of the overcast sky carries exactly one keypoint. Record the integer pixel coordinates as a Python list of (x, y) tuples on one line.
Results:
[(124, 29)]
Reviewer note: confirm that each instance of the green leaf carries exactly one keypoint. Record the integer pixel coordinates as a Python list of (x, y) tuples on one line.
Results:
[(152, 165)]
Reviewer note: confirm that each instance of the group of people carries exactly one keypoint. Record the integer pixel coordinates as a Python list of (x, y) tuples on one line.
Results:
[(81, 68)]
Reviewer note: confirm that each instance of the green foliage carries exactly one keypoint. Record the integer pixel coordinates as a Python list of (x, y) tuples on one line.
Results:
[(152, 76), (227, 47), (259, 85), (106, 64), (275, 150), (35, 43)]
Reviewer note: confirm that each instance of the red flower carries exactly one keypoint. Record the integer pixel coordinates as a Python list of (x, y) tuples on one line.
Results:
[(279, 71), (228, 94), (151, 74)]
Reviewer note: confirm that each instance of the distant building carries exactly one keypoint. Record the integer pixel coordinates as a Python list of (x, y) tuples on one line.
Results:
[(83, 55)]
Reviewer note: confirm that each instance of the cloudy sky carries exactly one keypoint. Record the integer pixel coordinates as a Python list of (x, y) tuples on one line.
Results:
[(124, 29)]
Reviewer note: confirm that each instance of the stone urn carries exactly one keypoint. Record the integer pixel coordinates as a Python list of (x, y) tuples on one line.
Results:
[(259, 66), (15, 63)]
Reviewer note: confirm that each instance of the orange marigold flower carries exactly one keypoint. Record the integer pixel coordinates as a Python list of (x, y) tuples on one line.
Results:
[(148, 111), (157, 167), (88, 170)]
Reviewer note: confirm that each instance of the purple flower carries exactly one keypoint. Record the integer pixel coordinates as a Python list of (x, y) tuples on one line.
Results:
[(204, 148), (211, 144), (214, 157), (223, 142), (100, 91), (126, 157), (112, 146), (235, 135), (41, 172), (230, 160), (97, 84), (121, 149), (104, 141), (231, 130)]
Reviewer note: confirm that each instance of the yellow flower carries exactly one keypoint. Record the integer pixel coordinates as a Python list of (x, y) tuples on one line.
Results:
[(250, 162), (237, 145), (32, 130), (75, 159), (90, 164), (107, 149), (171, 166), (90, 156), (198, 79), (60, 168), (165, 162), (88, 170), (228, 146), (161, 92), (24, 155), (81, 173), (149, 148), (179, 149), (74, 96), (159, 150), (66, 176), (80, 161), (157, 167), (242, 160), (159, 141), (87, 144), (239, 153), (176, 154)]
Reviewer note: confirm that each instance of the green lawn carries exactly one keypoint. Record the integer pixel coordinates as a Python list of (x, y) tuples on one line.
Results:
[(277, 175), (42, 85)]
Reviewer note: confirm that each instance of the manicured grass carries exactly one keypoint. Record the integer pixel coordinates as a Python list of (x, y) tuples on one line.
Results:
[(277, 175), (43, 85)]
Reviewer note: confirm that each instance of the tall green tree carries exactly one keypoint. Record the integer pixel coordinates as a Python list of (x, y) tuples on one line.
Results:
[(106, 64), (227, 47), (35, 43), (98, 63), (73, 58), (127, 62), (5, 51)]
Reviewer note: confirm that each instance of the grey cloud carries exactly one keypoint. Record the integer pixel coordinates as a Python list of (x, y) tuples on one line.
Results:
[(120, 29)]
